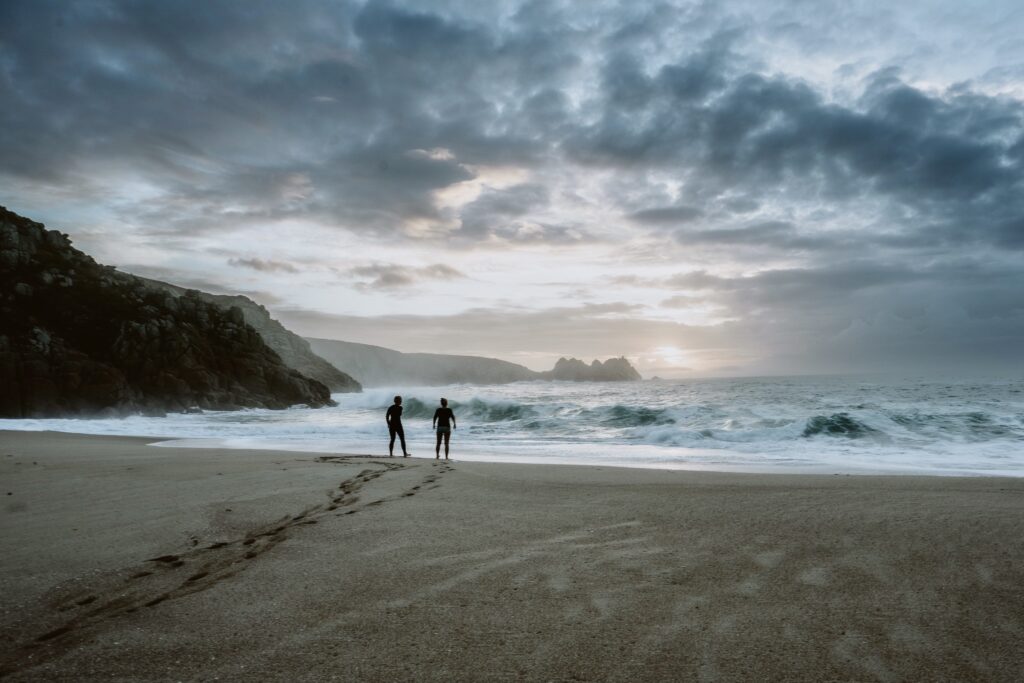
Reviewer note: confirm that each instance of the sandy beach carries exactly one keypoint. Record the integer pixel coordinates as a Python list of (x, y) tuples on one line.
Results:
[(127, 562)]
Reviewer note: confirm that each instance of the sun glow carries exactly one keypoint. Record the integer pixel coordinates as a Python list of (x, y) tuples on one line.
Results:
[(673, 356)]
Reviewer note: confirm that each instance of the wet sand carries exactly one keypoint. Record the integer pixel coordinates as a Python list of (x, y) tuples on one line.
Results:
[(123, 561)]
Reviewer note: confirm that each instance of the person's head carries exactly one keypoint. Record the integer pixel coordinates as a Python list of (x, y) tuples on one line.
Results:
[(398, 400), (444, 403)]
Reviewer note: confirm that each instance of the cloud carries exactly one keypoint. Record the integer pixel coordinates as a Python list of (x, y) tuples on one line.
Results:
[(667, 215), (949, 157), (328, 127), (682, 301), (380, 276), (779, 235), (831, 182), (264, 266)]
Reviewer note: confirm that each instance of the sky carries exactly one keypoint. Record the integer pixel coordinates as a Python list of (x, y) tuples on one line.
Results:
[(736, 188)]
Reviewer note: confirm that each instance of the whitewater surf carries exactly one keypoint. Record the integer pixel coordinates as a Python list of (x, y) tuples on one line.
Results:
[(791, 424)]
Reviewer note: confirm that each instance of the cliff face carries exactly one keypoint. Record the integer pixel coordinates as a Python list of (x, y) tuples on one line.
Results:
[(79, 338), (377, 366), (612, 370), (293, 349)]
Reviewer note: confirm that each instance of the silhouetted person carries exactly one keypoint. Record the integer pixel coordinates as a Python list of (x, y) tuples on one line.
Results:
[(441, 417), (394, 420)]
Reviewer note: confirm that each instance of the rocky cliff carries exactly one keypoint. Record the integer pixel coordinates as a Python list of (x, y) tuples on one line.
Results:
[(293, 349), (79, 338), (378, 366)]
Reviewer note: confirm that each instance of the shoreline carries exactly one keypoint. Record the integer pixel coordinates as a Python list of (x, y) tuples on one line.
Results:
[(325, 447), (121, 560)]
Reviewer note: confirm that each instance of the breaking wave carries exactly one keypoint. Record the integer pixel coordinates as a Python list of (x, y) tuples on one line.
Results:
[(837, 424), (473, 409), (631, 416)]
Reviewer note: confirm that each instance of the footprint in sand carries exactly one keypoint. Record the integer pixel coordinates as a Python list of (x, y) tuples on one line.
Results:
[(157, 600), (815, 576), (169, 561), (164, 558), (769, 559), (215, 564), (54, 633)]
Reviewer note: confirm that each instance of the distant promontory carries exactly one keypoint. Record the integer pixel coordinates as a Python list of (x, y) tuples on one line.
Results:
[(379, 366)]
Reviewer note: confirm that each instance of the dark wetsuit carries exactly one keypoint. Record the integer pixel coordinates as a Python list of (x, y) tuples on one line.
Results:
[(394, 420), (442, 416)]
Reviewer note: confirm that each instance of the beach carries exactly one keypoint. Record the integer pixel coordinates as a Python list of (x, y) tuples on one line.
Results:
[(128, 562)]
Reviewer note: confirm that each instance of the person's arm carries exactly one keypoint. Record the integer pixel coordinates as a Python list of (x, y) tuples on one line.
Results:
[(433, 422), (387, 417), (452, 413)]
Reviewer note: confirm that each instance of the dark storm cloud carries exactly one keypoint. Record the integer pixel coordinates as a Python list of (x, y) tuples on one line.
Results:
[(952, 157), (217, 104), (505, 214), (777, 235)]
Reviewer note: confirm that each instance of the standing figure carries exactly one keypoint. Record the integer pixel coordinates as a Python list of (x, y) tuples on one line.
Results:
[(441, 417), (394, 420)]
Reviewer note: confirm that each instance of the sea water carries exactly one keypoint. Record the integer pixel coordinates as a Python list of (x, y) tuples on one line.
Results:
[(795, 424)]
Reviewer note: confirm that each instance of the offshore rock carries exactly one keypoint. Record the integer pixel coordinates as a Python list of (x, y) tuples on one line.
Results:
[(574, 370)]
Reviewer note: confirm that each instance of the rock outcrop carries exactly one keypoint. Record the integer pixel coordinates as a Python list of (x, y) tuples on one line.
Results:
[(293, 349), (79, 338), (612, 370), (378, 366)]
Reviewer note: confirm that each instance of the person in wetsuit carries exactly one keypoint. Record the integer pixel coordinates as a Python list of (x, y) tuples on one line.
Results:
[(441, 417), (394, 420)]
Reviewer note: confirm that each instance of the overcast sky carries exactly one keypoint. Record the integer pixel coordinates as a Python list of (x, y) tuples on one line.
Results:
[(705, 187)]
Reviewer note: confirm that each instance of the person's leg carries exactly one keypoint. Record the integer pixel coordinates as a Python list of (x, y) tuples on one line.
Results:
[(447, 438), (401, 435), (391, 444), (437, 448)]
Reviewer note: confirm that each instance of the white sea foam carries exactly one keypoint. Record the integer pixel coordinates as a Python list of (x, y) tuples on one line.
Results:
[(769, 424)]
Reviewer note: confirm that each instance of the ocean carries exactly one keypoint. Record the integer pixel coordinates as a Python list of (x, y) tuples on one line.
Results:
[(777, 424)]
